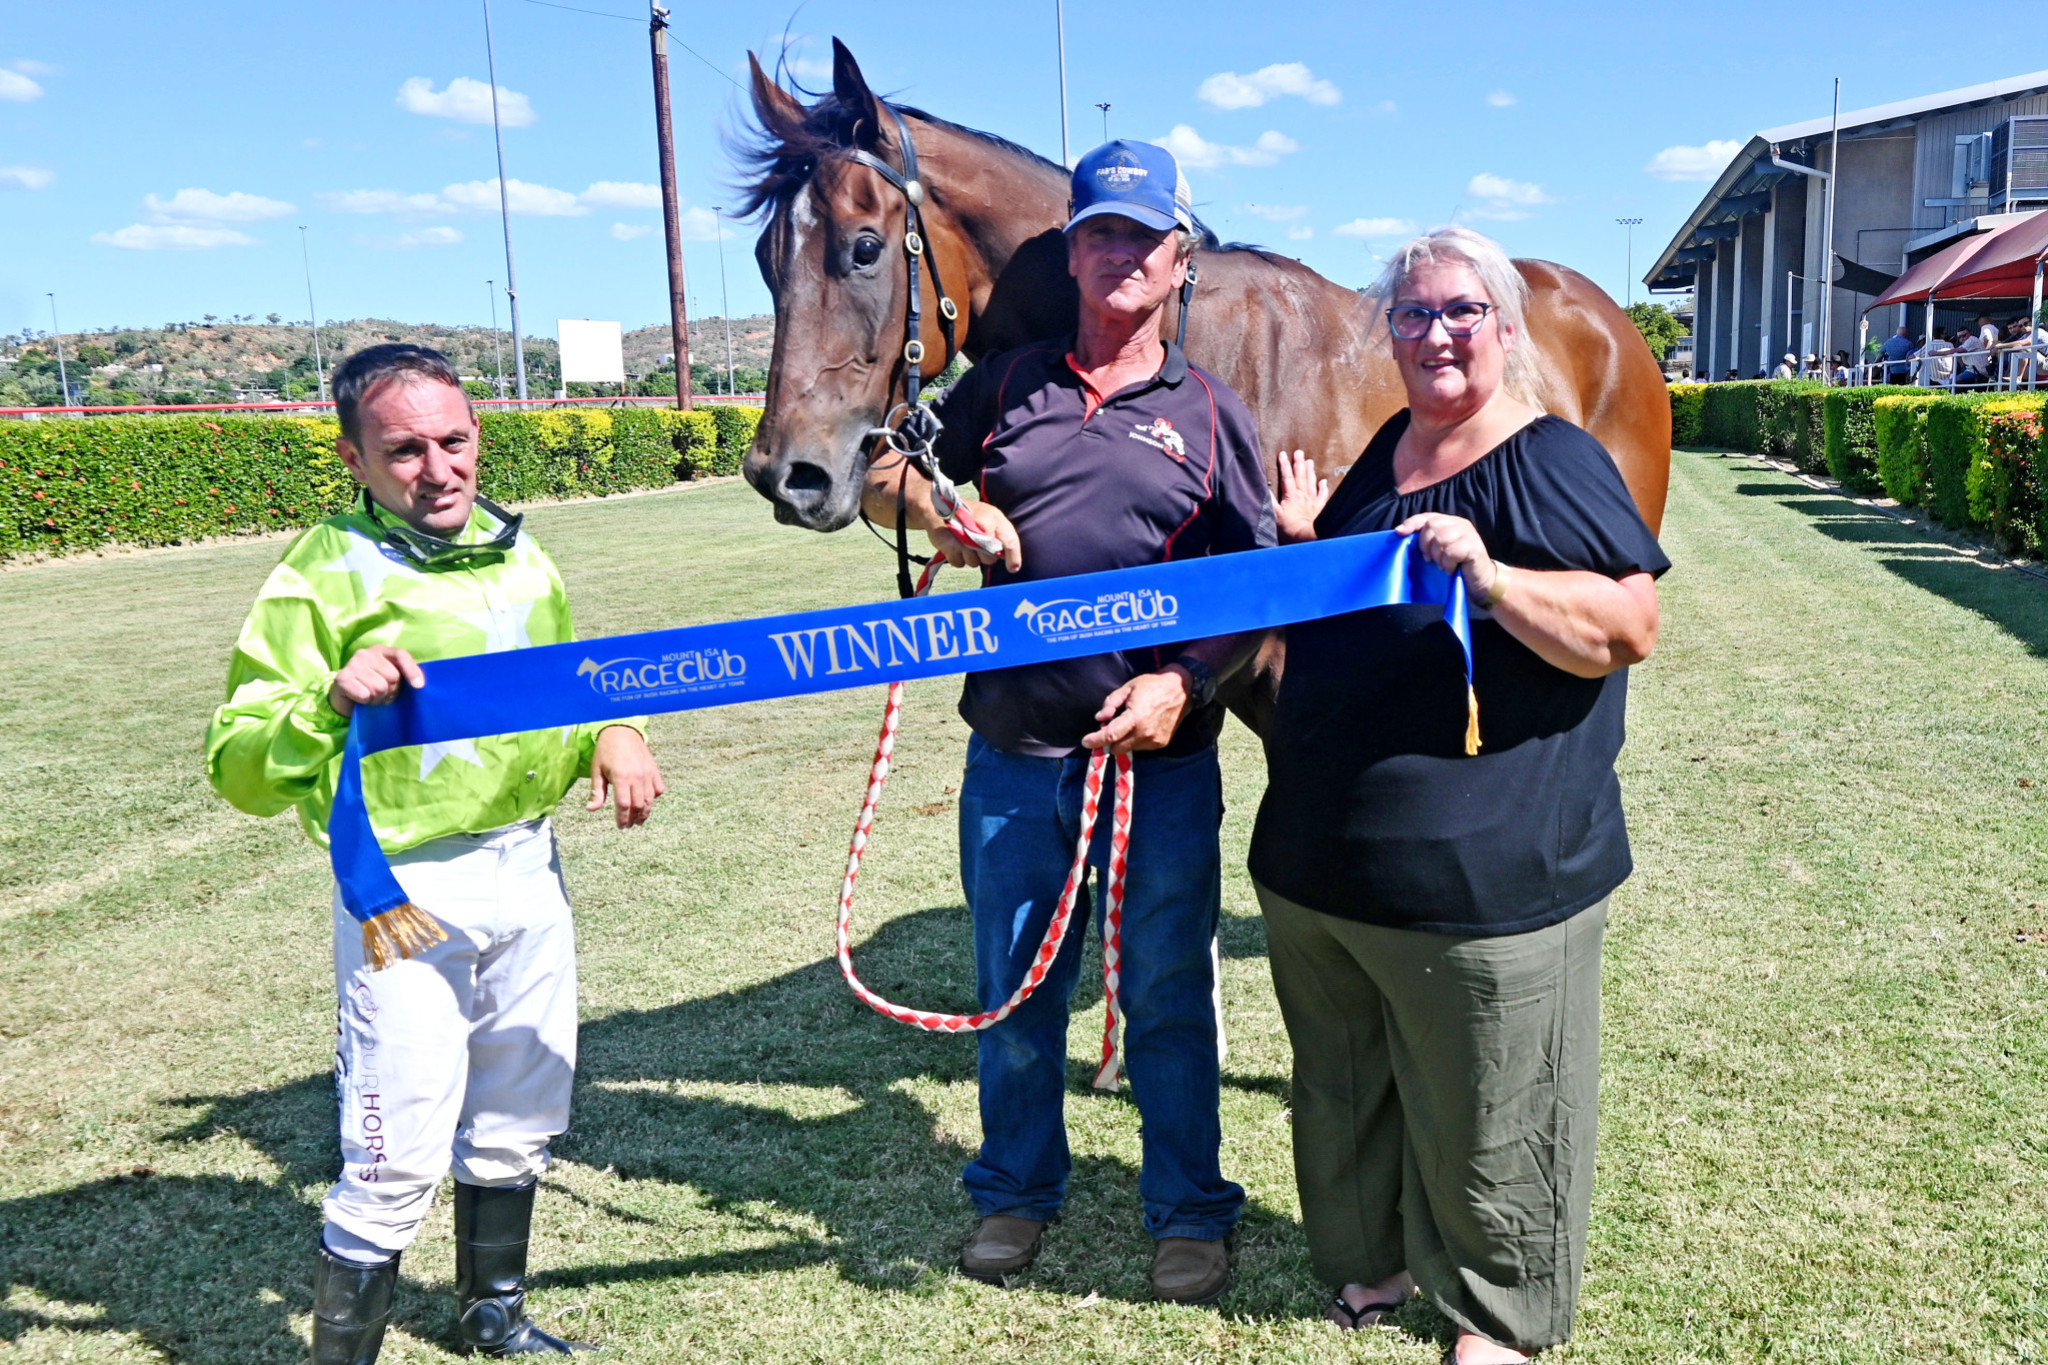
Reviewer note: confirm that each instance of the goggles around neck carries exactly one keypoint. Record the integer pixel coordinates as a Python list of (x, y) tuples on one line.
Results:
[(433, 552)]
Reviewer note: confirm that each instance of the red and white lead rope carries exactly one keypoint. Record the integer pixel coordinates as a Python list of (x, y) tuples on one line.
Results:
[(961, 522)]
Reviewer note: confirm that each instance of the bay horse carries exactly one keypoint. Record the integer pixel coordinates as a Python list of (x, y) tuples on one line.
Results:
[(1303, 352)]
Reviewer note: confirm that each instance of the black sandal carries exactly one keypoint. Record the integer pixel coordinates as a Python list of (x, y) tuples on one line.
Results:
[(1385, 1308)]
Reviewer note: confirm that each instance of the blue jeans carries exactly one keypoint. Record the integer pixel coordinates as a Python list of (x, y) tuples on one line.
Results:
[(1019, 818)]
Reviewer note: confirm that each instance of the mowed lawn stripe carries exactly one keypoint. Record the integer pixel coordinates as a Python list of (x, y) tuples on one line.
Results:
[(1823, 1097)]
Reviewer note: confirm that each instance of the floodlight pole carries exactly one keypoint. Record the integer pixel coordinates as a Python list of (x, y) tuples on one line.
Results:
[(1629, 280), (57, 335), (724, 299), (1827, 245), (504, 207), (671, 207), (497, 341), (1104, 107), (313, 314), (1059, 17)]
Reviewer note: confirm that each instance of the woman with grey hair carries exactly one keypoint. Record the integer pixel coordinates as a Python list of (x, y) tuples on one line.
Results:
[(1434, 919)]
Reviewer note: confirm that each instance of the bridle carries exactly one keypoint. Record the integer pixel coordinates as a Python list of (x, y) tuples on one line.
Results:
[(911, 438)]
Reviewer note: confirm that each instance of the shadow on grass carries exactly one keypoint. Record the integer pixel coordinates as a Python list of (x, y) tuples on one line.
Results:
[(848, 1166), (2015, 603)]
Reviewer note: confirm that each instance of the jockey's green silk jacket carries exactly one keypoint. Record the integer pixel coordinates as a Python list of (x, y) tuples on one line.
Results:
[(276, 742)]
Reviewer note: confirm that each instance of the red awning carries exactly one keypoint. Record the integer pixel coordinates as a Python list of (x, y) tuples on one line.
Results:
[(1951, 261), (2005, 268)]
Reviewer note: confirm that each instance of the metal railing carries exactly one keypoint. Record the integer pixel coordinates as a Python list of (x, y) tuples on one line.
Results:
[(2015, 367), (313, 408)]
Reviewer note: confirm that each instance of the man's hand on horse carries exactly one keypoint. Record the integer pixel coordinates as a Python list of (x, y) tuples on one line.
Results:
[(372, 678), (962, 555), (1142, 714), (623, 764), (1302, 498)]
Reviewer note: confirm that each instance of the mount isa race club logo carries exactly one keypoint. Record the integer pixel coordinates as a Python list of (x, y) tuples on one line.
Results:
[(1122, 173), (1160, 435), (682, 672), (1110, 613)]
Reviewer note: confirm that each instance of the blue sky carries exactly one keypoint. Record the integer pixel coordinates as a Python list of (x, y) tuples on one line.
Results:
[(156, 161)]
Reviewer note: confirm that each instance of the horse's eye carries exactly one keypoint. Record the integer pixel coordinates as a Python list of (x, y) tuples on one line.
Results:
[(867, 251)]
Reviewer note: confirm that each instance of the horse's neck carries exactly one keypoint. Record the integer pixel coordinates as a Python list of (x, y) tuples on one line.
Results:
[(1010, 211)]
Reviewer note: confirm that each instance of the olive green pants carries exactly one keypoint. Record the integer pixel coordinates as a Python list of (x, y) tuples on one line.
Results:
[(1445, 1101)]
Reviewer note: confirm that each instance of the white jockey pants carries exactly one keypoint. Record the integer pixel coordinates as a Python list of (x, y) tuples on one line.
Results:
[(463, 1055)]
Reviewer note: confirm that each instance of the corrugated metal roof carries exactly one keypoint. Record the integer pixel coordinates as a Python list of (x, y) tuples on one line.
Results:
[(1853, 122)]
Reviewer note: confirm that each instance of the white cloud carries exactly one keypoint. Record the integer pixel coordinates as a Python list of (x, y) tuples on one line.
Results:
[(1505, 200), (810, 68), (1228, 90), (19, 88), (1300, 233), (1693, 163), (29, 67), (171, 237), (406, 241), (1375, 227), (626, 232), (1194, 152), (702, 225), (205, 208), (622, 194), (1501, 99), (533, 201), (1276, 213), (465, 101), (25, 178), (382, 201)]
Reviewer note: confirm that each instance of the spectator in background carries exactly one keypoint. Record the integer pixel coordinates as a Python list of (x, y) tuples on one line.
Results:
[(1840, 374), (1936, 365), (1733, 374), (1788, 368), (1973, 358), (1897, 349)]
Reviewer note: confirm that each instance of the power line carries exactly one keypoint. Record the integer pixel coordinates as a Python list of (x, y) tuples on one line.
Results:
[(631, 19)]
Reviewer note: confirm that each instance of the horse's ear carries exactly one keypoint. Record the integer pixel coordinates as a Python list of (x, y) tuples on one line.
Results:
[(779, 111), (854, 96)]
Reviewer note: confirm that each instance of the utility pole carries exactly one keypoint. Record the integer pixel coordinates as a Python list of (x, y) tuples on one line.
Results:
[(671, 206), (505, 207), (313, 313), (497, 342), (1104, 107), (1629, 281), (1827, 243), (57, 335), (724, 299), (1059, 16)]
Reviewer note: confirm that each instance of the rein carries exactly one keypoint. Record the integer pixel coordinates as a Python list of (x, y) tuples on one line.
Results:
[(911, 439)]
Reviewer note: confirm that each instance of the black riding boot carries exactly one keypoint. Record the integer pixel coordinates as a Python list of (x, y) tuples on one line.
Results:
[(490, 1272), (351, 1305)]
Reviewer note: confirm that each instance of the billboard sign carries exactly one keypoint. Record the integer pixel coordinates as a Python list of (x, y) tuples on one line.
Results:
[(592, 352)]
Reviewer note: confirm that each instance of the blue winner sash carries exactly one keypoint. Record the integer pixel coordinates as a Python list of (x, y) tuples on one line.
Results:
[(820, 651)]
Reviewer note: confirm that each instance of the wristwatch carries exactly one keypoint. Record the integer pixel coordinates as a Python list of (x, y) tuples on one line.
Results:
[(1201, 680)]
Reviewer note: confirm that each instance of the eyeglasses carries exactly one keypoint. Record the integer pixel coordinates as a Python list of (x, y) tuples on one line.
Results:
[(434, 552), (1411, 321)]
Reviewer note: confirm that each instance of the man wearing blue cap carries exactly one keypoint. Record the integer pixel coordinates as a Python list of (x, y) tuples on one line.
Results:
[(1103, 450)]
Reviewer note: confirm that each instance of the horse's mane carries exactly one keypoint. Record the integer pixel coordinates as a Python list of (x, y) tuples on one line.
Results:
[(784, 154)]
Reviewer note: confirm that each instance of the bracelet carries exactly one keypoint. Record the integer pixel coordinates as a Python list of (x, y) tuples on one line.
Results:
[(1497, 590)]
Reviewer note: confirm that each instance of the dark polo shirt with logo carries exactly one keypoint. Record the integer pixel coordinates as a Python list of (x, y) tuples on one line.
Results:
[(1164, 469)]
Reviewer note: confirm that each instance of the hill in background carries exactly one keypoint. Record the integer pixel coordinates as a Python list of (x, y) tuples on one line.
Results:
[(242, 359)]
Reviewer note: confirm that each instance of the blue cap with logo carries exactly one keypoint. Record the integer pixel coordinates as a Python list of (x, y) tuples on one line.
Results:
[(1139, 180)]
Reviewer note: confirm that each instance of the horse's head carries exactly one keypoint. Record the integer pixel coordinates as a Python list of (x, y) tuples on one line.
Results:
[(833, 256)]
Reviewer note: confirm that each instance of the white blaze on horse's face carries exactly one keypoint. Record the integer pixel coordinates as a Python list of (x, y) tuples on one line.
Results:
[(1450, 377), (1123, 269)]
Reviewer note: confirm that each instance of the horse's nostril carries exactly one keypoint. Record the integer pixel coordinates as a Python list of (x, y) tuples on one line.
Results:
[(804, 477)]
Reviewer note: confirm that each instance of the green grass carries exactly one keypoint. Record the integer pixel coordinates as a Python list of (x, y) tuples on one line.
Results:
[(1825, 1104)]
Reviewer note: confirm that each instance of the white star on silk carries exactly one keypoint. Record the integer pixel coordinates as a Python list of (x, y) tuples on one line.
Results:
[(373, 561), (432, 754), (503, 627)]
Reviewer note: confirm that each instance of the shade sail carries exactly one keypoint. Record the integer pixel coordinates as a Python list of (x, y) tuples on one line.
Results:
[(2004, 269), (1937, 270)]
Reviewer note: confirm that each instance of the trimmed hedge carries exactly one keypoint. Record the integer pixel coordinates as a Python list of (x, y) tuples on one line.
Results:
[(1810, 451), (76, 483), (1729, 417), (2005, 484), (1955, 442), (1686, 402), (1900, 423), (1851, 426)]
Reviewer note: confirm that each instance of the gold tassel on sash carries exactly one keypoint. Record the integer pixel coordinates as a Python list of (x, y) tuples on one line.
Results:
[(1471, 722), (401, 932)]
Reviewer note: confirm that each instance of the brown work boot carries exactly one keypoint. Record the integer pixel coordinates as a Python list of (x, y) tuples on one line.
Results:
[(1001, 1246), (1190, 1270)]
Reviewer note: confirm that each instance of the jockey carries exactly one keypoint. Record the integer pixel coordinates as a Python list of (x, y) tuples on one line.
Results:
[(462, 1054), (1103, 450)]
